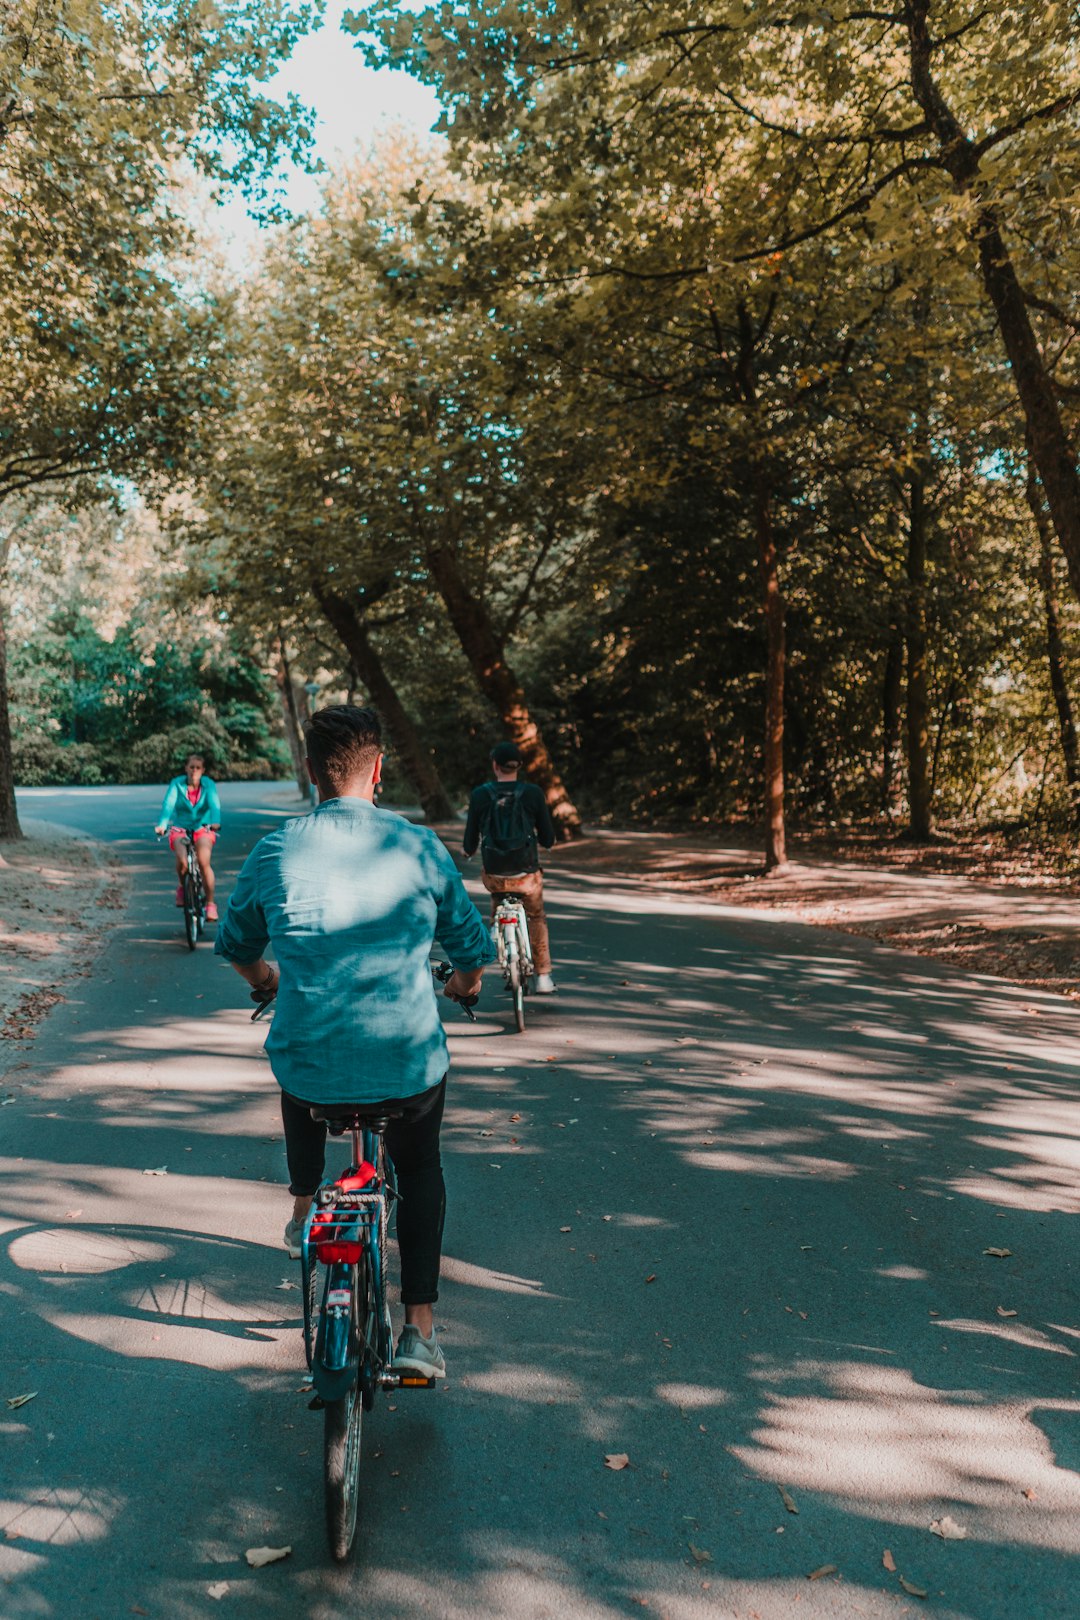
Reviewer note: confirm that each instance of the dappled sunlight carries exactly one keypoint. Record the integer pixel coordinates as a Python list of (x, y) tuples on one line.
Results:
[(156, 1340), (516, 1382), (57, 1517), (777, 1164), (1011, 1332), (893, 1448), (692, 1397), (503, 1282), (81, 1251)]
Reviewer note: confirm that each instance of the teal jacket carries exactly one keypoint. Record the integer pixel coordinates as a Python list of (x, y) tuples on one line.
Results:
[(351, 899), (177, 809)]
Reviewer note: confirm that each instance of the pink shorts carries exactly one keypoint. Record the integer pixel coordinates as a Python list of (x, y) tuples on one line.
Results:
[(178, 834)]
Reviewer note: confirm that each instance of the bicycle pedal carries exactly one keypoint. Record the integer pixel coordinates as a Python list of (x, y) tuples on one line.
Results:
[(415, 1381)]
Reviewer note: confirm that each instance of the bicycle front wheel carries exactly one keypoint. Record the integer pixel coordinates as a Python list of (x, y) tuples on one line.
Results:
[(517, 990), (191, 913), (344, 1420)]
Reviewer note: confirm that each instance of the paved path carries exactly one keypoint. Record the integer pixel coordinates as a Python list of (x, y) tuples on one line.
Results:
[(780, 1155)]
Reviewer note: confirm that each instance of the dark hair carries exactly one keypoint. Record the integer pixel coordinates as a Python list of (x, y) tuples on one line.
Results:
[(342, 741), (194, 755)]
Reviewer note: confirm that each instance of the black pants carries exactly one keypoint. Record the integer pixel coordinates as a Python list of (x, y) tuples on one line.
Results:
[(413, 1145)]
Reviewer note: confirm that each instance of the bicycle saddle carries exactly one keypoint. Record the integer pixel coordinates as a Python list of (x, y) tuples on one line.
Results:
[(342, 1117)]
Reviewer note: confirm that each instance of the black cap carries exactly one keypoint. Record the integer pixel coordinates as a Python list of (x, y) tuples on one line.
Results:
[(505, 753)]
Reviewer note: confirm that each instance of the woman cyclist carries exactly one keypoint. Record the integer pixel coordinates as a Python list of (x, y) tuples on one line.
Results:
[(191, 809)]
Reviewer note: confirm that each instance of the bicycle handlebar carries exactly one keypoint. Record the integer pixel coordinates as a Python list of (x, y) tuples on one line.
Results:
[(441, 972)]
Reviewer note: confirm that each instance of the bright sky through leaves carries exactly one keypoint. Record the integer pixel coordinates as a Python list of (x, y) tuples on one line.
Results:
[(350, 101)]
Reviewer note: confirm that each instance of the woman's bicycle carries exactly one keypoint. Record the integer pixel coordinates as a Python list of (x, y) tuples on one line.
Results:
[(348, 1335), (515, 952), (194, 894)]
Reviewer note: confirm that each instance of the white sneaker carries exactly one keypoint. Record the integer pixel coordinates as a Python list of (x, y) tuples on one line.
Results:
[(545, 984), (419, 1355)]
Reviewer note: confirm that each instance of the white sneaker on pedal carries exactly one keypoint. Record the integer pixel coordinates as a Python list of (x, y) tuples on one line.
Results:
[(545, 984), (419, 1355)]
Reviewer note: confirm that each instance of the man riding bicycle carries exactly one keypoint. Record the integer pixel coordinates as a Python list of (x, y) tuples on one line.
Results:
[(351, 899), (191, 809), (506, 818)]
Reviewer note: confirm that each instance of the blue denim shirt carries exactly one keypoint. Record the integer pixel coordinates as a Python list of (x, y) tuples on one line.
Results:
[(351, 899)]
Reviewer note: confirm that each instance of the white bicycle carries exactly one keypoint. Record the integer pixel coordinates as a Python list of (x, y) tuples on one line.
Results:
[(515, 952)]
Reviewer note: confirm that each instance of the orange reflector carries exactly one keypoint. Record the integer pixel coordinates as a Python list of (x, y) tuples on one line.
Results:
[(409, 1381)]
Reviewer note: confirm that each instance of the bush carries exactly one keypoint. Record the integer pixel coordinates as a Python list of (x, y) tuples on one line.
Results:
[(41, 761), (161, 756)]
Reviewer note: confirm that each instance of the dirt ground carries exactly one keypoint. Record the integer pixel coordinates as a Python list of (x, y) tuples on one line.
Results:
[(985, 904), (58, 892)]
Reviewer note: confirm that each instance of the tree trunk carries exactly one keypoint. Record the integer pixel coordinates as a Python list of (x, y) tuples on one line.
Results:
[(289, 717), (920, 827), (775, 662), (892, 695), (1055, 652), (416, 760), (1049, 443), (484, 650), (9, 815)]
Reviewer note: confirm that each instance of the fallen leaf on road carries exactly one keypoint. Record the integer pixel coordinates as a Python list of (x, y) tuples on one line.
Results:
[(912, 1589), (1003, 1312), (162, 1170), (889, 1561), (514, 1118), (21, 1400), (787, 1499), (7, 1102), (566, 1228), (616, 1460), (607, 1217), (258, 1556), (72, 1214), (823, 1569), (485, 1133), (948, 1529), (699, 1555), (285, 1283), (651, 1277), (1029, 1494), (218, 1590), (999, 1254)]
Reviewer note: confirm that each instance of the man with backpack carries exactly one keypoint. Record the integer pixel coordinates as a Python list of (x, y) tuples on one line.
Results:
[(507, 819)]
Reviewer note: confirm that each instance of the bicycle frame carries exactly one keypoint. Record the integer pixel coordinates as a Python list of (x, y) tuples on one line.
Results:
[(512, 933), (345, 1232)]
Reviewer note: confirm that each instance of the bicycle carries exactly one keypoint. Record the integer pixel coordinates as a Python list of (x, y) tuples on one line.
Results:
[(194, 896), (515, 952), (348, 1334)]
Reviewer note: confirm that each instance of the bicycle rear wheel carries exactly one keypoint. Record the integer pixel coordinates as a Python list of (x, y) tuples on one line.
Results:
[(191, 912), (344, 1420), (517, 990)]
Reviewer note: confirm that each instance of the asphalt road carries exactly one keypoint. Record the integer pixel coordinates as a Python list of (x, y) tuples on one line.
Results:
[(724, 1208)]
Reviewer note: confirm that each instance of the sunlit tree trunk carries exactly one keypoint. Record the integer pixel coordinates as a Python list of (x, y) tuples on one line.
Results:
[(1055, 651), (775, 671), (892, 697), (9, 815), (416, 760), (289, 718), (1049, 444), (486, 654), (920, 822)]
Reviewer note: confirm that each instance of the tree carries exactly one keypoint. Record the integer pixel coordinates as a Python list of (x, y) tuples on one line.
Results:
[(106, 346)]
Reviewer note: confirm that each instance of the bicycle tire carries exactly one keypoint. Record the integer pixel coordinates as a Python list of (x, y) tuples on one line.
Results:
[(517, 990), (191, 913), (342, 1437)]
